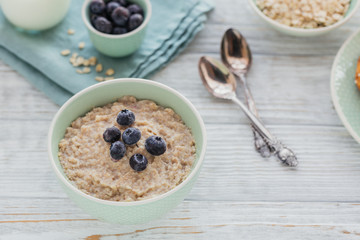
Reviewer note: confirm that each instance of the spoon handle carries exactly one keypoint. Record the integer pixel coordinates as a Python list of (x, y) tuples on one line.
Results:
[(283, 153), (260, 145), (248, 96)]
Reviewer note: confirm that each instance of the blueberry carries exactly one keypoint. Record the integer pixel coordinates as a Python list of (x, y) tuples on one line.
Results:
[(97, 6), (155, 145), (131, 136), (134, 8), (103, 25), (111, 6), (117, 151), (138, 162), (120, 16), (135, 21), (93, 17), (119, 30), (125, 117), (112, 134), (122, 2)]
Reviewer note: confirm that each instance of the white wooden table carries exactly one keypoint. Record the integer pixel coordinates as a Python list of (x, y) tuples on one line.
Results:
[(238, 195)]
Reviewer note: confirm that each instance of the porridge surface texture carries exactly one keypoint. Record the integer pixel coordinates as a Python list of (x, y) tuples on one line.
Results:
[(85, 156)]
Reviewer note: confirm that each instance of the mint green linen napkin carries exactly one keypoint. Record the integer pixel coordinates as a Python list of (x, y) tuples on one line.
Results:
[(37, 56)]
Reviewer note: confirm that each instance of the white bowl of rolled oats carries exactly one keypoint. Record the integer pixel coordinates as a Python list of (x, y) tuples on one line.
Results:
[(305, 17)]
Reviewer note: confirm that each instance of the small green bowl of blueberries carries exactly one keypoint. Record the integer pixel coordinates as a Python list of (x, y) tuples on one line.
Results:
[(116, 27)]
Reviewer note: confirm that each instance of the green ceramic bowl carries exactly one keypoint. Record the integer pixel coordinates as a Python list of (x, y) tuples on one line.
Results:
[(107, 92), (344, 93), (300, 32), (117, 45), (34, 16)]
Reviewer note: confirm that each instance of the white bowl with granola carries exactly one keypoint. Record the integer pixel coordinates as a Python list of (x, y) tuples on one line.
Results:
[(305, 18), (128, 150)]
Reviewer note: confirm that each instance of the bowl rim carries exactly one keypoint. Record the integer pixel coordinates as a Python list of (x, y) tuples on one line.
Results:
[(334, 95), (117, 36), (302, 30), (67, 182)]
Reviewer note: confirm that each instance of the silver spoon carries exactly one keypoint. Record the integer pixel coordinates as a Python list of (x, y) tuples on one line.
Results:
[(221, 83), (236, 55)]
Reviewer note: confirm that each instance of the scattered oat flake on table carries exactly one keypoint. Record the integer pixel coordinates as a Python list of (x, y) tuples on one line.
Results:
[(71, 31), (99, 67), (110, 72), (109, 78), (65, 52), (99, 79), (92, 61), (86, 70), (73, 58), (79, 61), (86, 62), (79, 71), (81, 45)]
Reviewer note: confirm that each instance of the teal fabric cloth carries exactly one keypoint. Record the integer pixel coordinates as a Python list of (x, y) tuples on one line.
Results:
[(37, 57)]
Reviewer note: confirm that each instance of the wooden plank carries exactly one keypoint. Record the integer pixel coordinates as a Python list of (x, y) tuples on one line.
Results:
[(249, 198), (278, 88), (192, 219), (329, 167)]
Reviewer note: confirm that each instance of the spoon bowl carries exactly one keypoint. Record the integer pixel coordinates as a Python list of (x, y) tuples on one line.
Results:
[(221, 83), (217, 79), (235, 51)]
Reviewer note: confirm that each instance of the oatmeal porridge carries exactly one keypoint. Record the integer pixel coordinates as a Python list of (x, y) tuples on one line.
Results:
[(85, 157)]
